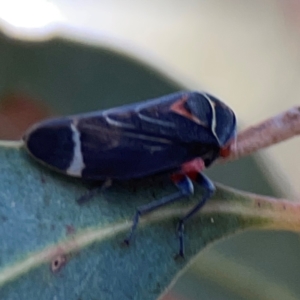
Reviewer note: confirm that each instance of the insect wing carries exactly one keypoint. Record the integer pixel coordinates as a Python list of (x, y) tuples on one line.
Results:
[(130, 141)]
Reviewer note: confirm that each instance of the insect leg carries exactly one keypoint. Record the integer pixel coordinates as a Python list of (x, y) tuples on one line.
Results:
[(94, 191), (209, 188), (186, 188)]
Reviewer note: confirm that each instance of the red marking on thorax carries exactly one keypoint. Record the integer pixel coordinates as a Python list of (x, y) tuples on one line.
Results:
[(191, 169), (176, 177), (178, 108)]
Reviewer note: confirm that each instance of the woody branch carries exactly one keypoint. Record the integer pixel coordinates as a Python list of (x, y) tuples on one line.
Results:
[(269, 132)]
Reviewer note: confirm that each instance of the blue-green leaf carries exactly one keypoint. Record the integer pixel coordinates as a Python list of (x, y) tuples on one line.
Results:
[(52, 248)]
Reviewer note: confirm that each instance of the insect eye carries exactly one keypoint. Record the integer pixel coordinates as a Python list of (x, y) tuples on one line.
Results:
[(225, 123)]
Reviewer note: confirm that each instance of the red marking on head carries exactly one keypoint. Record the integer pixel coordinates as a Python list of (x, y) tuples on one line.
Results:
[(178, 108), (226, 150)]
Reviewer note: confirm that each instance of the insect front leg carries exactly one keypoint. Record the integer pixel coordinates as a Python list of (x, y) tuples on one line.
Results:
[(209, 190), (94, 191), (186, 188)]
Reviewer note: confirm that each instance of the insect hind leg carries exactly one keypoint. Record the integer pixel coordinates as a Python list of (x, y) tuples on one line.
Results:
[(209, 187), (186, 188)]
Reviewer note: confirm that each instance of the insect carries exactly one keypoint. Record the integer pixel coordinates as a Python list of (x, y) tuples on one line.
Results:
[(181, 133)]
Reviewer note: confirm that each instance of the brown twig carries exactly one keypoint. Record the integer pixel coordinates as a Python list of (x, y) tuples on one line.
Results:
[(269, 132)]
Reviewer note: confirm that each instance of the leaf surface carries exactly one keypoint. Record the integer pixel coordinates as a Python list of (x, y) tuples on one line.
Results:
[(52, 248)]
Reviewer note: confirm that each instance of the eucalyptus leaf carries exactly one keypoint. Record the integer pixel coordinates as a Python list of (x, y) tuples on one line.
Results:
[(53, 248)]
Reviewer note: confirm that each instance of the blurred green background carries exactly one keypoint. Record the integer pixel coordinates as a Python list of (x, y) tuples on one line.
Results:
[(73, 78), (249, 56)]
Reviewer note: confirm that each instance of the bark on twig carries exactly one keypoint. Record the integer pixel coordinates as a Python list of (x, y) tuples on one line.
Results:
[(269, 132)]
